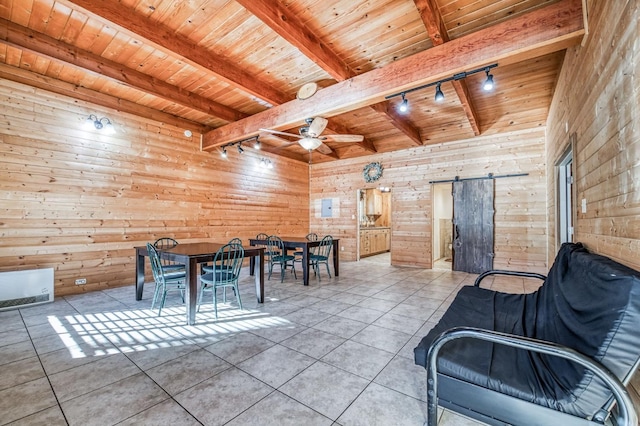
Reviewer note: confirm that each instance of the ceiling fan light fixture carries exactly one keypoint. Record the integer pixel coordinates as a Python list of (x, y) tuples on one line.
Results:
[(310, 143), (439, 95)]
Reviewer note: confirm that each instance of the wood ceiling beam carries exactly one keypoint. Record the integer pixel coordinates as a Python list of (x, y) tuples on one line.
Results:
[(175, 44), (398, 122), (437, 31), (40, 81), (24, 38), (339, 129), (288, 26), (548, 29)]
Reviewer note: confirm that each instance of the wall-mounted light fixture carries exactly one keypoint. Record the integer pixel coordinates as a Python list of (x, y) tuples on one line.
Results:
[(224, 147), (104, 124), (266, 163), (487, 86)]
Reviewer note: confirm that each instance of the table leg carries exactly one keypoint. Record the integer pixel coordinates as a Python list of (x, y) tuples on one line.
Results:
[(260, 278), (336, 259), (139, 275), (252, 265), (305, 264), (191, 290)]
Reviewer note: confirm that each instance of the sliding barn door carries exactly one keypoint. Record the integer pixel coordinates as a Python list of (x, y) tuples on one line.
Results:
[(473, 225)]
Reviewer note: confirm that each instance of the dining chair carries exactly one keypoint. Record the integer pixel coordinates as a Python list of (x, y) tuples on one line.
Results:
[(278, 256), (209, 268), (165, 280), (168, 243), (228, 260), (311, 236), (320, 254)]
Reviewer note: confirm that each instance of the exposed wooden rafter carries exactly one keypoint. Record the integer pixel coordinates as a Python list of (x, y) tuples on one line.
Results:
[(549, 29), (168, 40), (398, 122), (67, 89), (24, 38), (289, 27), (432, 20)]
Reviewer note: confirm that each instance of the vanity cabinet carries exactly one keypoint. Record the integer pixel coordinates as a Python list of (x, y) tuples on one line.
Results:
[(374, 241)]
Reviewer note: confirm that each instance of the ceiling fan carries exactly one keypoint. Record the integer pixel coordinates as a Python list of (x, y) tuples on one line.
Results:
[(310, 139)]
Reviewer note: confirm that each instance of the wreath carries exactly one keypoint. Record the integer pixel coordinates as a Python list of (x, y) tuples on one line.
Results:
[(372, 172)]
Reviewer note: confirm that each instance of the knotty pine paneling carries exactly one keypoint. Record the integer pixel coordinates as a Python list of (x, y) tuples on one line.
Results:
[(598, 98), (520, 221), (79, 201)]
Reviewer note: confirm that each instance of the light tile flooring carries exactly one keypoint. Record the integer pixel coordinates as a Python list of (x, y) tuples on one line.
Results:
[(338, 352)]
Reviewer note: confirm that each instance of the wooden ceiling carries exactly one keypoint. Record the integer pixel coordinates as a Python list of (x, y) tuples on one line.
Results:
[(227, 68)]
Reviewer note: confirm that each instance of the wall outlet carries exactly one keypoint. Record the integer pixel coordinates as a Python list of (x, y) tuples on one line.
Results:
[(342, 248), (584, 205), (81, 281)]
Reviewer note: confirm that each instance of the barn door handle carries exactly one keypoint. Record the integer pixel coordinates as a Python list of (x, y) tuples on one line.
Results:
[(456, 240)]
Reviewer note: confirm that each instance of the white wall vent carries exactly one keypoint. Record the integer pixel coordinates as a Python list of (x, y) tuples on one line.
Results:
[(19, 289)]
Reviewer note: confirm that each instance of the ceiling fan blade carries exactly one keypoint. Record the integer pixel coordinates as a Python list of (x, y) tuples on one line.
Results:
[(270, 137), (344, 138), (317, 126), (324, 149), (277, 132)]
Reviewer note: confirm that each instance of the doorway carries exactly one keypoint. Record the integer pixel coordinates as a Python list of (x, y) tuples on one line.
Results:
[(565, 196), (374, 224), (442, 227)]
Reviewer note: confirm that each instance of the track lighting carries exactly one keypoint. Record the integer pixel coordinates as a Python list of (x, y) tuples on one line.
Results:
[(404, 106), (487, 85), (439, 95), (224, 147), (93, 122)]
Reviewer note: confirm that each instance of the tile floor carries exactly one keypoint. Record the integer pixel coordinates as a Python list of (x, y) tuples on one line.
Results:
[(338, 352)]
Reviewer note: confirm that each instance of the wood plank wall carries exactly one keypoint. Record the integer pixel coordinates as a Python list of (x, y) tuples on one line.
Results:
[(520, 202), (79, 201), (598, 98)]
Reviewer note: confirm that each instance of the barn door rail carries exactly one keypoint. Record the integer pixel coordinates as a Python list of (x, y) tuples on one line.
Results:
[(489, 176)]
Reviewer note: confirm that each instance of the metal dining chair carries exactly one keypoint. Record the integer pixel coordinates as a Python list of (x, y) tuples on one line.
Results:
[(277, 256), (311, 236), (165, 280), (165, 243), (209, 268), (320, 254), (228, 260)]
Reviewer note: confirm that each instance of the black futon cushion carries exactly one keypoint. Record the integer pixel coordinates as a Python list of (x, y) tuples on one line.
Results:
[(588, 302)]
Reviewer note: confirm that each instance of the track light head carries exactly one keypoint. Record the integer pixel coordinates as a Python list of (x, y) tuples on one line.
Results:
[(256, 145), (240, 150), (404, 105), (488, 84), (224, 153), (439, 95)]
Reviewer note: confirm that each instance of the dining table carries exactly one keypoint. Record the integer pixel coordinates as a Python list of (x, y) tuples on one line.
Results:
[(191, 254), (294, 243)]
